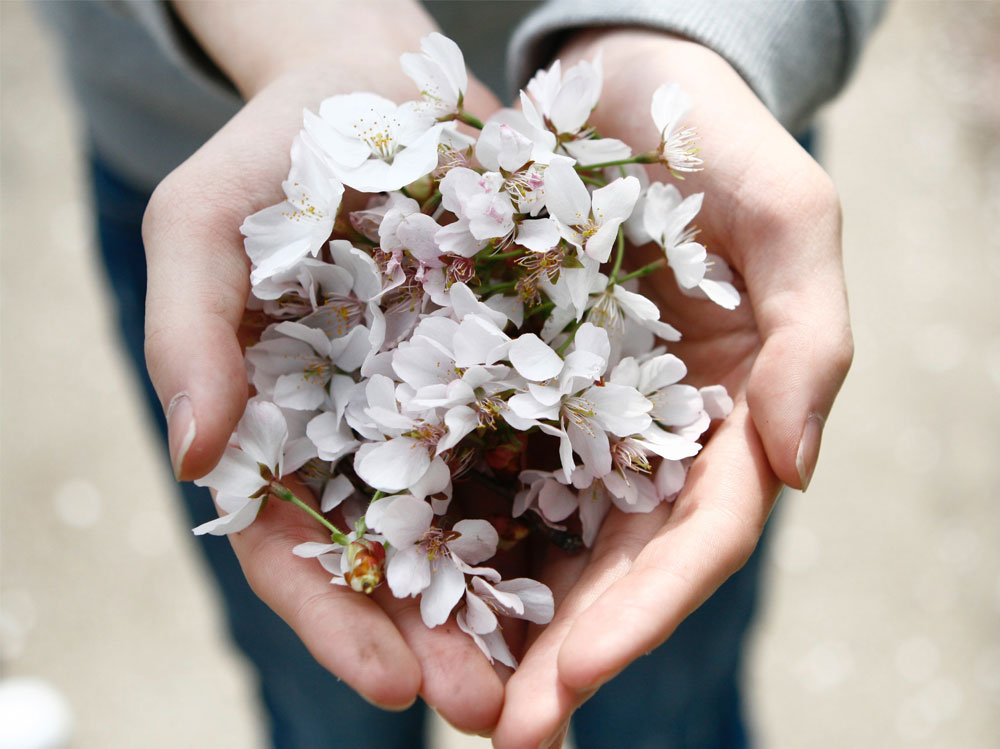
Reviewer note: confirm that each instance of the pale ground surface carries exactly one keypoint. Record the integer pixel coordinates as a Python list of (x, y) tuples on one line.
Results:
[(882, 624)]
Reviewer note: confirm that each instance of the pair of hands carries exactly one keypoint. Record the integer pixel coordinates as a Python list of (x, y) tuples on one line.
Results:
[(769, 210)]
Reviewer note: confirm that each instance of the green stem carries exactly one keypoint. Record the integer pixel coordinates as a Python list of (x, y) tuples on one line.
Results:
[(505, 255), (493, 288), (593, 180), (469, 119), (619, 254), (544, 307), (644, 270), (283, 493), (649, 157), (572, 334)]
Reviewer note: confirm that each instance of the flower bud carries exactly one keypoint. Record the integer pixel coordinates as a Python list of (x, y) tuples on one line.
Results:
[(366, 564), (421, 189)]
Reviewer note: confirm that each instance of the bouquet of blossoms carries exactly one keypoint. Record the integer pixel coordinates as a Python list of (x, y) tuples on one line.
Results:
[(471, 323)]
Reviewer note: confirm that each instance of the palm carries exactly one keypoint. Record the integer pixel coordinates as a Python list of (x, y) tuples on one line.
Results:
[(781, 354)]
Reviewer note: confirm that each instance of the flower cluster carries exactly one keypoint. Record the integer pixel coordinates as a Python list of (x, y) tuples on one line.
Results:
[(470, 325)]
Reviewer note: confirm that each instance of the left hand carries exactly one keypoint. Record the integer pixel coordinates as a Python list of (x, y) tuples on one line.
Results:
[(771, 212)]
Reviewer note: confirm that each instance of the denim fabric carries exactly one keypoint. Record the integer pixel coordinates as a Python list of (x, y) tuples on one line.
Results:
[(685, 694)]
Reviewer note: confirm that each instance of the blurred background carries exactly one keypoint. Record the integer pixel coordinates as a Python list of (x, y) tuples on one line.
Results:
[(881, 623)]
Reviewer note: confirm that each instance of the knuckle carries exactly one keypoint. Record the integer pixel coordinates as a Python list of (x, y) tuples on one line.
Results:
[(742, 534), (842, 354)]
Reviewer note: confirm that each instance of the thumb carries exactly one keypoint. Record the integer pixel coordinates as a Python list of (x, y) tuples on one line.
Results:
[(795, 282), (196, 291)]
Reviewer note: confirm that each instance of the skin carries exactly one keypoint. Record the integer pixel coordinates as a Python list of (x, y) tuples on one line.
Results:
[(197, 289), (770, 211)]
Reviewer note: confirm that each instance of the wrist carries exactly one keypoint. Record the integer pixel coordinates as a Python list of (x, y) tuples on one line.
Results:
[(255, 44)]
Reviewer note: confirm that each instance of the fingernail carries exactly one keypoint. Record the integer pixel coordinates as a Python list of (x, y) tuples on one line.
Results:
[(808, 453), (180, 430), (387, 708)]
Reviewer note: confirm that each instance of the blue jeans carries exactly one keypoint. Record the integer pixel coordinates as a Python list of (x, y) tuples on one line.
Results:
[(685, 694)]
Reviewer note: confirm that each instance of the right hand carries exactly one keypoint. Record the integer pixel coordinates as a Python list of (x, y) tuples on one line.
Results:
[(198, 284)]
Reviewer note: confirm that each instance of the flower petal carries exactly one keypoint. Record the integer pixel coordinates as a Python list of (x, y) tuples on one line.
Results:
[(262, 433), (234, 522), (404, 521), (408, 572), (533, 358), (439, 598), (477, 542)]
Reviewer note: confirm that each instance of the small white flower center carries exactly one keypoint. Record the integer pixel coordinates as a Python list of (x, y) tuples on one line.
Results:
[(579, 411), (434, 542), (379, 132)]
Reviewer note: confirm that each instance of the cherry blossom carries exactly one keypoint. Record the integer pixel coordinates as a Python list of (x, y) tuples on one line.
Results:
[(428, 559), (589, 222)]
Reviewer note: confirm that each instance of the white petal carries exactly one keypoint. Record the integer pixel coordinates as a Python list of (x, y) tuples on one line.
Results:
[(594, 505), (616, 201), (619, 409), (557, 502), (533, 358), (592, 339), (312, 549), (498, 648), (669, 478), (393, 465), (571, 107), (299, 391), (478, 616), (598, 247), (236, 473), (460, 420), (478, 341), (336, 491), (676, 405), (597, 151), (659, 372), (592, 447), (333, 438), (234, 522), (538, 235), (437, 480), (262, 433), (403, 521), (669, 105), (717, 402), (668, 445), (722, 293), (408, 572), (439, 598), (536, 598), (477, 543), (565, 194)]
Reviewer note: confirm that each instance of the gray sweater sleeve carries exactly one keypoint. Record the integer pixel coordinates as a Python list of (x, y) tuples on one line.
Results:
[(795, 54)]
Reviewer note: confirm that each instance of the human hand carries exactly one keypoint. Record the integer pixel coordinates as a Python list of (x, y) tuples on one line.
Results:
[(197, 290), (773, 215)]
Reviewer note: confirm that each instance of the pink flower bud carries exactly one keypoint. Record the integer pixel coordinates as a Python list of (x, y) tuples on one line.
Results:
[(366, 562)]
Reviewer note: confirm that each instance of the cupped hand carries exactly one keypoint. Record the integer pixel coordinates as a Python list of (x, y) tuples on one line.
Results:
[(771, 212), (197, 290)]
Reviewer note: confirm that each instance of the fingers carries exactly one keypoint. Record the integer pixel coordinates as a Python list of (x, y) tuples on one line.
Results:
[(197, 288), (458, 681), (795, 281), (710, 533), (537, 704), (347, 632)]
